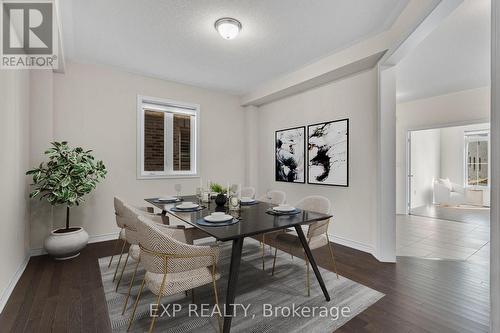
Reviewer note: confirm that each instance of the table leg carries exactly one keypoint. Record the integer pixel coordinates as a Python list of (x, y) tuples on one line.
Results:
[(234, 270), (309, 255)]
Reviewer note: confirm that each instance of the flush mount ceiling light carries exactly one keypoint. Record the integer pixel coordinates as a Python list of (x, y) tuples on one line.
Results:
[(228, 27)]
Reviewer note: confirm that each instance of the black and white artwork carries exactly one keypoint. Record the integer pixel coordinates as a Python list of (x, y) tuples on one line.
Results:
[(328, 153), (290, 155)]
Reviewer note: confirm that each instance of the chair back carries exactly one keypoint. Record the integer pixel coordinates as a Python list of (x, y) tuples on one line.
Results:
[(130, 220), (319, 204), (274, 197), (119, 212), (248, 192), (157, 242)]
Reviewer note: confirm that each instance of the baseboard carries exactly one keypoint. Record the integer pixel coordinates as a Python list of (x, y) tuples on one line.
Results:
[(112, 236), (37, 252), (352, 244), (104, 237), (12, 283), (92, 239)]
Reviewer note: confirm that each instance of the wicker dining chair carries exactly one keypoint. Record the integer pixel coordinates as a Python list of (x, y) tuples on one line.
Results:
[(173, 266), (178, 232), (273, 197), (317, 234), (129, 214), (248, 192), (120, 218)]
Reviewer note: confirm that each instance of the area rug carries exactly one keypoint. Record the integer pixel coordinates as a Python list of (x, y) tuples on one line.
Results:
[(269, 303)]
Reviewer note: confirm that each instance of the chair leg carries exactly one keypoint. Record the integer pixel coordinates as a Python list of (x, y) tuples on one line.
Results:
[(308, 282), (130, 286), (274, 260), (153, 321), (121, 274), (119, 260), (114, 249), (332, 255), (216, 300), (135, 304), (263, 250)]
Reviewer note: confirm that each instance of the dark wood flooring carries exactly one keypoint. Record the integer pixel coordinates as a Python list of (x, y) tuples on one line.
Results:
[(422, 295)]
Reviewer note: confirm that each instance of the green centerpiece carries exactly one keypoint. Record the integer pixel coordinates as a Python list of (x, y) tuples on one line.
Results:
[(220, 199)]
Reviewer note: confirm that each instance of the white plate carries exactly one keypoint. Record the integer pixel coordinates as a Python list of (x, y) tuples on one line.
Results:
[(221, 218), (187, 206), (284, 208), (247, 200), (167, 199)]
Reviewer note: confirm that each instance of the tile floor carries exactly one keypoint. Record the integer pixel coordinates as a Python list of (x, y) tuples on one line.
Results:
[(419, 236)]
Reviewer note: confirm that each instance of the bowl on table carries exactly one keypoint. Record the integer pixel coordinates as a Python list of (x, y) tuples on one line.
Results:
[(247, 200), (217, 217), (187, 205), (284, 208), (167, 199)]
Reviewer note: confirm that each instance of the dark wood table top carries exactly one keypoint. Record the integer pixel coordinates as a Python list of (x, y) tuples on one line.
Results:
[(253, 219)]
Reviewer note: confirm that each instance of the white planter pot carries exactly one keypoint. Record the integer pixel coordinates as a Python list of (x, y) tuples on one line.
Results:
[(66, 245)]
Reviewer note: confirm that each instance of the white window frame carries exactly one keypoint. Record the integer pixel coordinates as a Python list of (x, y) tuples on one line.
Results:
[(169, 107), (469, 136)]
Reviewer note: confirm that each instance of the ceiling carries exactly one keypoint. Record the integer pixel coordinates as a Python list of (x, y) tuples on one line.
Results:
[(175, 39), (454, 57)]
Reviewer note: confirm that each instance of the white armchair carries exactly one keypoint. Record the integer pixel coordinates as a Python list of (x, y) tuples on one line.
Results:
[(448, 193)]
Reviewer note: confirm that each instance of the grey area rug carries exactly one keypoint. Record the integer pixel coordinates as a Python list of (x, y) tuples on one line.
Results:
[(256, 288)]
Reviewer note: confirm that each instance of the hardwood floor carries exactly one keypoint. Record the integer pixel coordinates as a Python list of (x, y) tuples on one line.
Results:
[(422, 295)]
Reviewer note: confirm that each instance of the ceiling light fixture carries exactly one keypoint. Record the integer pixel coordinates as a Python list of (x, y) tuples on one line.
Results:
[(228, 27)]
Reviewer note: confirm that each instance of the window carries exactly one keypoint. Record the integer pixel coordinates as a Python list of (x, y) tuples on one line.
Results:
[(477, 158), (167, 138)]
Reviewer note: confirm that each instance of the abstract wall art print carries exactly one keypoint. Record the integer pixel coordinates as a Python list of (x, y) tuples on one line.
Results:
[(290, 155), (328, 153)]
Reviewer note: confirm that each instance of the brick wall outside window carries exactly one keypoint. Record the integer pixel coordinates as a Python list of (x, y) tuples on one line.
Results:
[(154, 141), (182, 143)]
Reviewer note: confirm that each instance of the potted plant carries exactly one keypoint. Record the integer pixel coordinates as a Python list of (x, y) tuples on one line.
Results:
[(220, 198), (65, 179)]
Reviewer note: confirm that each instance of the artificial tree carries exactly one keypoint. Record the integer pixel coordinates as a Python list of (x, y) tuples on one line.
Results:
[(67, 177)]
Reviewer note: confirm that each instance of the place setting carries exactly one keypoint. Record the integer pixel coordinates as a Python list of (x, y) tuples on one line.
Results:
[(167, 199), (283, 209), (218, 219), (248, 201), (187, 206)]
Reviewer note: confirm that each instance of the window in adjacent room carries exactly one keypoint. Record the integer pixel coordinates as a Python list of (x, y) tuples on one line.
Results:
[(167, 138), (477, 158)]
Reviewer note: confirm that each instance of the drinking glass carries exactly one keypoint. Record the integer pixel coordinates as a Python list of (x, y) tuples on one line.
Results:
[(178, 189), (269, 195), (199, 193)]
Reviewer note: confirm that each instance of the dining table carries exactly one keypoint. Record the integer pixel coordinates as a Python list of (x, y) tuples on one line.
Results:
[(253, 220)]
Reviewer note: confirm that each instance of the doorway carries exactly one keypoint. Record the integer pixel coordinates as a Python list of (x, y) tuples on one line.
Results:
[(448, 178)]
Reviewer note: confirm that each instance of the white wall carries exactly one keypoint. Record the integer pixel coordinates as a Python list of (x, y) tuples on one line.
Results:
[(463, 107), (14, 162), (425, 165), (95, 107), (354, 207), (41, 133)]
